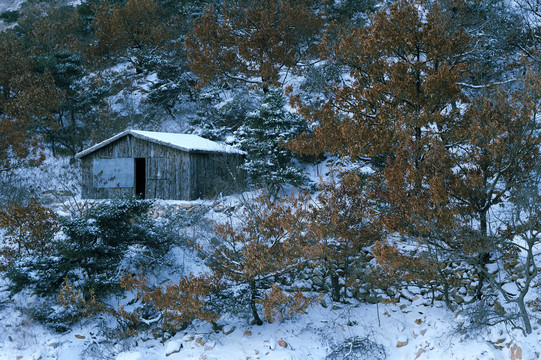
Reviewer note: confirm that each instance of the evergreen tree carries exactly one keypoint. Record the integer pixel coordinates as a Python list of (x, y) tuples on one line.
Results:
[(266, 131), (27, 103), (267, 246), (441, 159), (134, 32), (253, 41)]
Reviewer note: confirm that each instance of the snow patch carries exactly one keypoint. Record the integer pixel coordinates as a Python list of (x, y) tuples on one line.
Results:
[(132, 355)]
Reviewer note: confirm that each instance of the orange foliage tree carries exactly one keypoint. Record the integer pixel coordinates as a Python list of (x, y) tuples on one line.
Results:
[(437, 155), (178, 303), (398, 113), (500, 150), (253, 41), (27, 102), (131, 31), (340, 229), (29, 230), (268, 244)]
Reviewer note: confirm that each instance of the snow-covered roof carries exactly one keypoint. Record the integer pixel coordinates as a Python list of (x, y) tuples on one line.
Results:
[(184, 142)]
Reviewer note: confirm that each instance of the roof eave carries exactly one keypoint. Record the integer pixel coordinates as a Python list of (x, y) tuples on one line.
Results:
[(101, 144), (147, 138)]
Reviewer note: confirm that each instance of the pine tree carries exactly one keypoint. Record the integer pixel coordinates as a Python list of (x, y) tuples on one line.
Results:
[(27, 104), (438, 155), (253, 41), (267, 130), (267, 245), (132, 31)]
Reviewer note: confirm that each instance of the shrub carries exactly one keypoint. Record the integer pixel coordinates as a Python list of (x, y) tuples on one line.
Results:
[(177, 303), (357, 348), (280, 305), (94, 250), (29, 230)]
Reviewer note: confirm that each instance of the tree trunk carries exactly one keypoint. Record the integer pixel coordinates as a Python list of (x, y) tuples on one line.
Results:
[(484, 255), (335, 286), (253, 297), (445, 291), (524, 314)]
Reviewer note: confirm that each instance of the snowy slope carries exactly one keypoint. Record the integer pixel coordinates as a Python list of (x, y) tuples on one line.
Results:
[(391, 331), (406, 330)]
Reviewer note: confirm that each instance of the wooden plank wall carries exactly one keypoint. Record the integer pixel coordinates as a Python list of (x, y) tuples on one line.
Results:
[(216, 174)]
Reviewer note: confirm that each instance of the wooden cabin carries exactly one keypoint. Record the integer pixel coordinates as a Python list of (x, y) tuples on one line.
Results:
[(154, 165)]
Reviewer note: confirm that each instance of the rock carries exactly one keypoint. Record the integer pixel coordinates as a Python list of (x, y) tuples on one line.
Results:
[(173, 347), (282, 343), (401, 342), (360, 296), (458, 299), (418, 353), (247, 333), (406, 294), (372, 299), (210, 345), (228, 329), (80, 336), (200, 341), (516, 352), (418, 321)]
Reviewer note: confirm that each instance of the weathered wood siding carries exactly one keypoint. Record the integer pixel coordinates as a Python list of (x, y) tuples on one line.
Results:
[(170, 173), (213, 174)]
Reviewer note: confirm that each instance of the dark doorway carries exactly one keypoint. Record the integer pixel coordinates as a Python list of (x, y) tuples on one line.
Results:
[(140, 177)]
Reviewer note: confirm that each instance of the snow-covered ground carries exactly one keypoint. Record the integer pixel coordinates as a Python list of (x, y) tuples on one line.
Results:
[(407, 330)]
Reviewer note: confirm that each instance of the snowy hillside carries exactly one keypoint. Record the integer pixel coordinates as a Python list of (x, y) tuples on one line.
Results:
[(411, 327), (387, 196)]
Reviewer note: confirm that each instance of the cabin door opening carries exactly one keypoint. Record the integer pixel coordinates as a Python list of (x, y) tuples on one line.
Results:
[(140, 177)]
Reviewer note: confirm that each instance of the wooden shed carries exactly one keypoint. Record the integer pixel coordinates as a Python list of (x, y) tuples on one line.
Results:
[(154, 165)]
